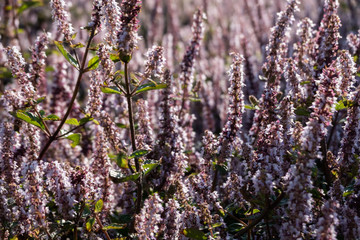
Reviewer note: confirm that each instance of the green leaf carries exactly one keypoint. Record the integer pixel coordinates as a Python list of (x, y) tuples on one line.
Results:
[(49, 69), (223, 169), (75, 138), (89, 224), (120, 218), (215, 225), (67, 55), (253, 100), (119, 177), (29, 118), (149, 167), (114, 57), (85, 120), (124, 57), (5, 73), (72, 121), (98, 206), (138, 153), (77, 45), (111, 90), (347, 193), (340, 105), (195, 99), (222, 212), (252, 211), (356, 57), (250, 107), (52, 117), (120, 160), (301, 111), (304, 82), (150, 86), (194, 233), (121, 125), (86, 212), (28, 4), (39, 100), (114, 226), (93, 63), (235, 227)]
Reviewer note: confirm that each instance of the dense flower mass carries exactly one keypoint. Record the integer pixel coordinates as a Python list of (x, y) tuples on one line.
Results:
[(191, 119), (61, 15)]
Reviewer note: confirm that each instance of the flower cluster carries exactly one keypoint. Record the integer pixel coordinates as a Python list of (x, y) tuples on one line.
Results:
[(61, 16), (99, 141)]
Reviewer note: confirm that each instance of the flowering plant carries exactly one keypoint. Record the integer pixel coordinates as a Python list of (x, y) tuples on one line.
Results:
[(106, 133)]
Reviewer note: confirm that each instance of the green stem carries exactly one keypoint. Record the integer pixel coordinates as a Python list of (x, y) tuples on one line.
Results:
[(133, 142), (43, 122), (73, 98), (263, 215)]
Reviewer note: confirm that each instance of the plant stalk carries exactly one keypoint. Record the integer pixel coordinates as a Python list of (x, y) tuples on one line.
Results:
[(132, 135), (73, 98)]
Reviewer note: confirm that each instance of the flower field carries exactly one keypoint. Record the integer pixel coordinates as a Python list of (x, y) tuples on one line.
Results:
[(179, 119)]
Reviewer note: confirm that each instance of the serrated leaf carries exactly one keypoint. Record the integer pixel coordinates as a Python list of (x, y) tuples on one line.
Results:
[(72, 121), (28, 4), (111, 90), (114, 226), (194, 233), (67, 55), (138, 153), (119, 177), (29, 118), (98, 206), (93, 63), (89, 224), (150, 86), (52, 117), (75, 138)]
